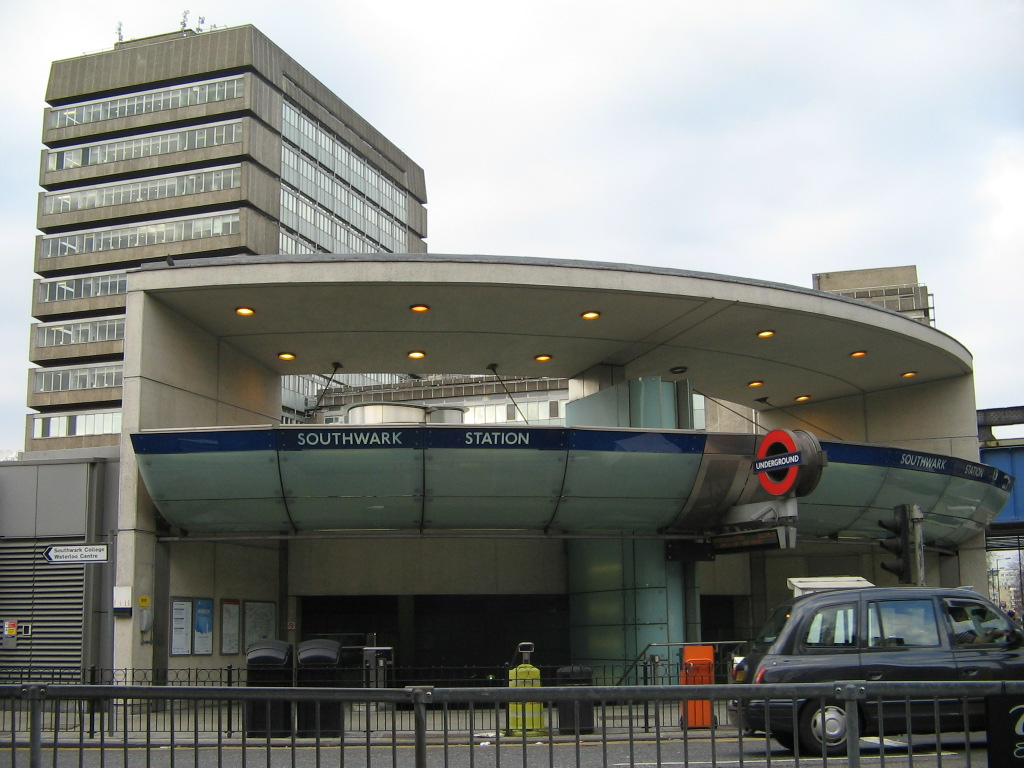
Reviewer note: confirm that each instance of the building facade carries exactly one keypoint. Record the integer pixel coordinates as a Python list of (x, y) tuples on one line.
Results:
[(182, 146), (207, 191)]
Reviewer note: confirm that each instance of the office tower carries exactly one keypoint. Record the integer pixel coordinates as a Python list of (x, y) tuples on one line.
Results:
[(181, 146)]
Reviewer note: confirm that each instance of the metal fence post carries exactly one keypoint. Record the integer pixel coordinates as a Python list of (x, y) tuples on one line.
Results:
[(420, 695), (35, 695), (850, 694)]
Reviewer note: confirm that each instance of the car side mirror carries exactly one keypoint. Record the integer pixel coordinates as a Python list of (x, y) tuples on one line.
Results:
[(1015, 638)]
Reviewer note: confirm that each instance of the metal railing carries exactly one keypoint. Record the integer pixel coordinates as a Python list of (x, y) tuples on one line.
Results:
[(421, 725)]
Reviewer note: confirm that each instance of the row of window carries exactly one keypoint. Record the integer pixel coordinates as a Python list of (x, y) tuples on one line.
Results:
[(151, 101), (71, 288), (155, 233), (72, 379), (318, 226), (156, 188), (532, 411), (77, 424), (294, 244), (342, 161), (144, 146), (335, 196), (83, 332)]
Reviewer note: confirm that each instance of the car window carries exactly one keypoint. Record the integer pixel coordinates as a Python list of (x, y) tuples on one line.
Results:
[(894, 623), (770, 631), (972, 622), (832, 626)]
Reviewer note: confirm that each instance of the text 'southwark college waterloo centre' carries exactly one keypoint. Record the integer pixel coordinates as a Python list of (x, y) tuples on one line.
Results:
[(286, 244)]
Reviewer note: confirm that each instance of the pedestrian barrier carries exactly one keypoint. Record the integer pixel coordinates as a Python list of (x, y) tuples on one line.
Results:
[(60, 723)]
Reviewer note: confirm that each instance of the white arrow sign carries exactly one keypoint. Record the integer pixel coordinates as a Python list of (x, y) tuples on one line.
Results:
[(77, 553)]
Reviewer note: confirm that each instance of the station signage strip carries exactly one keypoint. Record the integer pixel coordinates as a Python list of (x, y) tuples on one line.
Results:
[(898, 458), (419, 438)]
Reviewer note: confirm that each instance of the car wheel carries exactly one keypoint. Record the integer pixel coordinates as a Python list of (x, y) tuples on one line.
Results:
[(822, 728)]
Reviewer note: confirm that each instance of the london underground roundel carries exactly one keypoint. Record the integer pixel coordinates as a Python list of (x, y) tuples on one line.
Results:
[(788, 462)]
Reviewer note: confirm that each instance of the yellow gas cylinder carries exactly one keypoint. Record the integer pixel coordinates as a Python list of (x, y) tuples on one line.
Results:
[(525, 718)]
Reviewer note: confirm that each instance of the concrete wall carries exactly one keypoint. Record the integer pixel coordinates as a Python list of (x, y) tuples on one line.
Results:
[(219, 571), (937, 417), (176, 375), (426, 567)]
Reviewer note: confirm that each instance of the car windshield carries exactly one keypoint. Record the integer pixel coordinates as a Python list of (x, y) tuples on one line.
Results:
[(770, 631)]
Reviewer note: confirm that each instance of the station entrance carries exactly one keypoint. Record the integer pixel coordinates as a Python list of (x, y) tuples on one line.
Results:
[(466, 637)]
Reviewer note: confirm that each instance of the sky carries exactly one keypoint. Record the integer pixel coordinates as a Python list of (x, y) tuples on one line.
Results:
[(769, 140)]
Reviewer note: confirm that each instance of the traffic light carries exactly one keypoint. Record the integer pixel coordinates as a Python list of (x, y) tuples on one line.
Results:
[(899, 544)]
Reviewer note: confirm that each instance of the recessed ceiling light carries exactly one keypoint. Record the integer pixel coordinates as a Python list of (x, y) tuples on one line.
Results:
[(245, 311), (802, 398), (767, 333), (416, 355), (908, 374), (419, 308), (678, 369), (859, 353), (285, 355), (542, 358), (755, 384), (590, 315)]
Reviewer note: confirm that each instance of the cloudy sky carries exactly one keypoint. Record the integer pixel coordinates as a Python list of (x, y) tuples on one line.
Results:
[(766, 139)]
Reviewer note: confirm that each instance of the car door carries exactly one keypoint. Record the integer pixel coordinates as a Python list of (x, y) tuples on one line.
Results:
[(986, 645), (906, 640)]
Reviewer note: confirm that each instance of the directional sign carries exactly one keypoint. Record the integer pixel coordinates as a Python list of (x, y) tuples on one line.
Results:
[(77, 553)]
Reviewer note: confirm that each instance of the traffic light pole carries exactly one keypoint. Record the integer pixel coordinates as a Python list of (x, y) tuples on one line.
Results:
[(917, 543)]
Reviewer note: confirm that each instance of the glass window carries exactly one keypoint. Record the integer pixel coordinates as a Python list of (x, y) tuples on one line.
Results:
[(834, 625), (68, 289), (168, 231), (76, 424), (971, 622), (144, 146), (901, 623), (149, 101)]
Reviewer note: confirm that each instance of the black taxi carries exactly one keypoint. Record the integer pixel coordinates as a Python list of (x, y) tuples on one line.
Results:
[(876, 633)]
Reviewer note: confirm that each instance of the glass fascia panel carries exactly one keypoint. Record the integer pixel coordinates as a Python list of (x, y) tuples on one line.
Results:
[(226, 475), (925, 488), (227, 515), (343, 473), (619, 514), (494, 472), (618, 474), (488, 513), (848, 485), (369, 513)]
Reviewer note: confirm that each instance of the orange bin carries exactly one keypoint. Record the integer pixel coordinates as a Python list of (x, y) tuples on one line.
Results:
[(697, 668)]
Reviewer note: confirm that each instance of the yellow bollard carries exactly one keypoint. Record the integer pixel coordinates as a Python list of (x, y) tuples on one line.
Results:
[(525, 718)]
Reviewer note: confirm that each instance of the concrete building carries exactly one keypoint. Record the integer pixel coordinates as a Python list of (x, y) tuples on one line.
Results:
[(613, 522), (186, 146)]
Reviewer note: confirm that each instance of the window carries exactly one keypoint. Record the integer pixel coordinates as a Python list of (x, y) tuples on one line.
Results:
[(971, 622), (68, 289), (156, 233), (156, 188), (149, 101), (834, 625), (76, 424), (902, 623), (143, 146), (60, 334), (72, 379)]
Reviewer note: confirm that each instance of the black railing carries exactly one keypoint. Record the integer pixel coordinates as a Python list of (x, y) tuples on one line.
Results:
[(629, 724)]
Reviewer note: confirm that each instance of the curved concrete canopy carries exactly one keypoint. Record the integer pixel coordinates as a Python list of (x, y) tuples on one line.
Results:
[(539, 479), (506, 311)]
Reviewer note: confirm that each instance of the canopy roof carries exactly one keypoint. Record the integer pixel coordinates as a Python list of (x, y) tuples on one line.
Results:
[(542, 480)]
